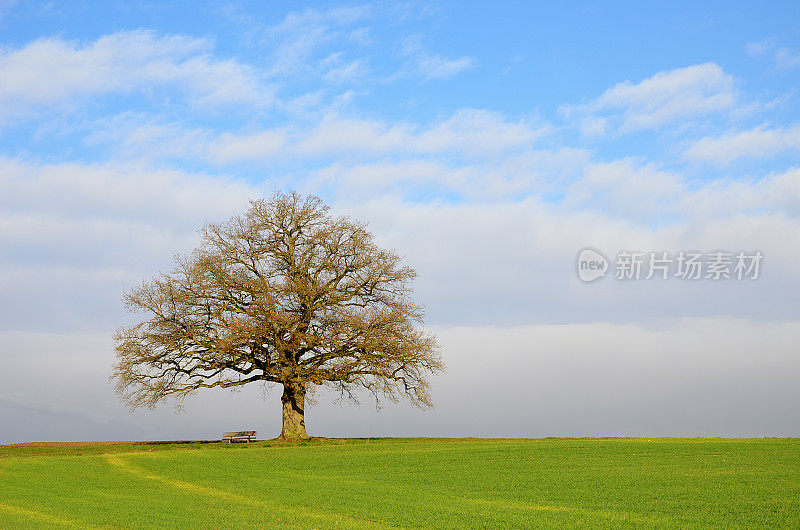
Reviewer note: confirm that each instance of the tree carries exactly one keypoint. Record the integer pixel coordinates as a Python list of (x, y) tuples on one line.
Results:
[(285, 294)]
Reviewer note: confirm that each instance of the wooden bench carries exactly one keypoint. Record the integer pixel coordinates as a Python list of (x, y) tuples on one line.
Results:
[(239, 436)]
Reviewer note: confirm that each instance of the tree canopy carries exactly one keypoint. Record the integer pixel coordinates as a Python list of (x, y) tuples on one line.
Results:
[(286, 294)]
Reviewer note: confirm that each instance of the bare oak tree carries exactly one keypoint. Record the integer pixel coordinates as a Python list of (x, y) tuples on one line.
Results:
[(285, 294)]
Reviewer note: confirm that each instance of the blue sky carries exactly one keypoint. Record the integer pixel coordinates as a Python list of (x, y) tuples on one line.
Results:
[(488, 145), (525, 61)]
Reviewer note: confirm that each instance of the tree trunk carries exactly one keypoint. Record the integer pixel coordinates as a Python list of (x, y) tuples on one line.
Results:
[(293, 399)]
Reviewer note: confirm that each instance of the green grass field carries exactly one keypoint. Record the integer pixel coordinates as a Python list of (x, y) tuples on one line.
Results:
[(465, 483)]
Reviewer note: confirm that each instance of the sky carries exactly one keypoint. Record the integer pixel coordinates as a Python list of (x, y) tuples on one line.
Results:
[(486, 145)]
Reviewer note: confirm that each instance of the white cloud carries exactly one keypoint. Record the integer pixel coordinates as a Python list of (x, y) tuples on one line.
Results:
[(470, 133), (345, 73), (118, 190), (662, 99), (479, 131), (433, 66), (758, 143), (335, 134), (75, 236), (784, 58), (787, 58), (467, 131), (438, 67), (50, 71), (405, 177), (627, 190), (261, 145), (593, 126), (146, 137), (509, 262), (777, 194), (312, 42), (297, 21), (513, 174), (759, 48), (300, 36)]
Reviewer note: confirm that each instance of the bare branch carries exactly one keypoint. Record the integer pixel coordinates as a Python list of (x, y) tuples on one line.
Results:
[(287, 294)]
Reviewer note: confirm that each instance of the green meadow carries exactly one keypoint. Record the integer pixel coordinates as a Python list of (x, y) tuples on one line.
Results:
[(417, 483)]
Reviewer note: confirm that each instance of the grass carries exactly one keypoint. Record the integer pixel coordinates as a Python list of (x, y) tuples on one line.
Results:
[(379, 483)]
